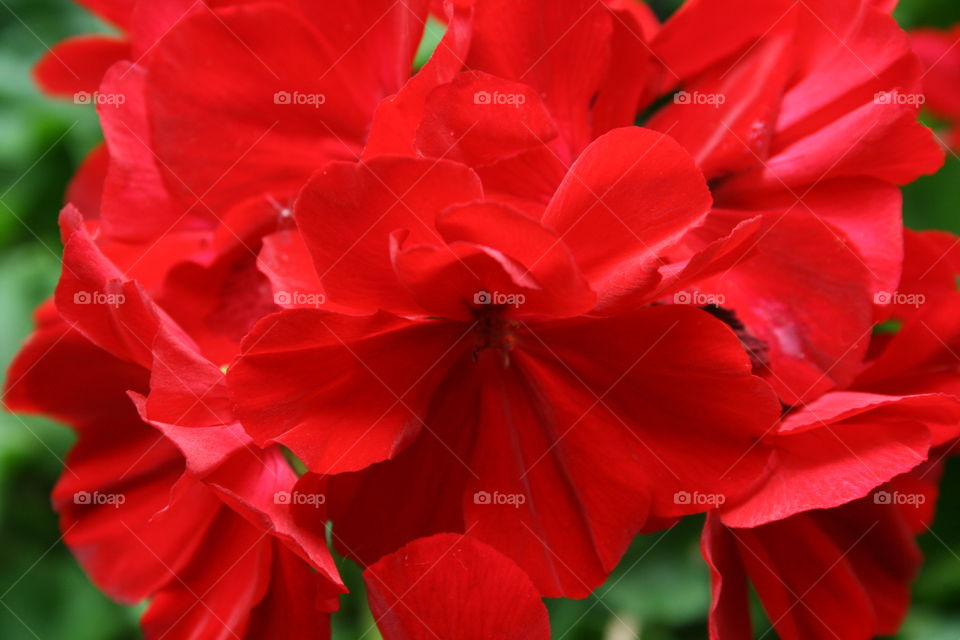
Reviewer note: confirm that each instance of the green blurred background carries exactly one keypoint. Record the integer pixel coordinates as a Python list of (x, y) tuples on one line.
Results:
[(661, 588)]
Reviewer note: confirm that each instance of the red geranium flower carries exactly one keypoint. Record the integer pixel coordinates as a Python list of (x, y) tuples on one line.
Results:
[(484, 373), (509, 374), (763, 110)]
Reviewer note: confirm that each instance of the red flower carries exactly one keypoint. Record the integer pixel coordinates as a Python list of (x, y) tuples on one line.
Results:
[(763, 110), (487, 350), (484, 375)]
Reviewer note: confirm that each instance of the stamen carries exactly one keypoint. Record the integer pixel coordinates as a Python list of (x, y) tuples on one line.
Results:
[(496, 331)]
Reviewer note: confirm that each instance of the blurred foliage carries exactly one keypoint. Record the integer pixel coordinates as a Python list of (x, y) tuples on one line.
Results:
[(661, 588)]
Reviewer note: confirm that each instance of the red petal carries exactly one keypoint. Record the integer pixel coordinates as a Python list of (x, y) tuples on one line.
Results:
[(396, 119), (136, 548), (451, 282), (882, 141), (867, 212), (840, 573), (847, 52), (631, 80), (290, 607), (42, 377), (838, 449), (714, 255), (186, 389), (478, 119), (347, 212), (451, 586), (78, 64), (718, 27), (560, 47), (584, 441), (628, 196), (931, 265), (342, 423), (527, 181), (736, 134), (125, 468), (218, 302), (375, 40), (249, 93), (807, 294), (493, 248), (134, 181), (215, 594), (920, 357), (419, 492), (110, 311), (573, 462), (730, 608), (261, 486), (86, 187)]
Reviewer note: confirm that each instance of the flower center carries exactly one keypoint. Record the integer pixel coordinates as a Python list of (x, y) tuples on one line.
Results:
[(494, 331)]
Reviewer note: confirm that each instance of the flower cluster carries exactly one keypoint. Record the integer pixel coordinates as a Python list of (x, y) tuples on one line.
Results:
[(579, 276)]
